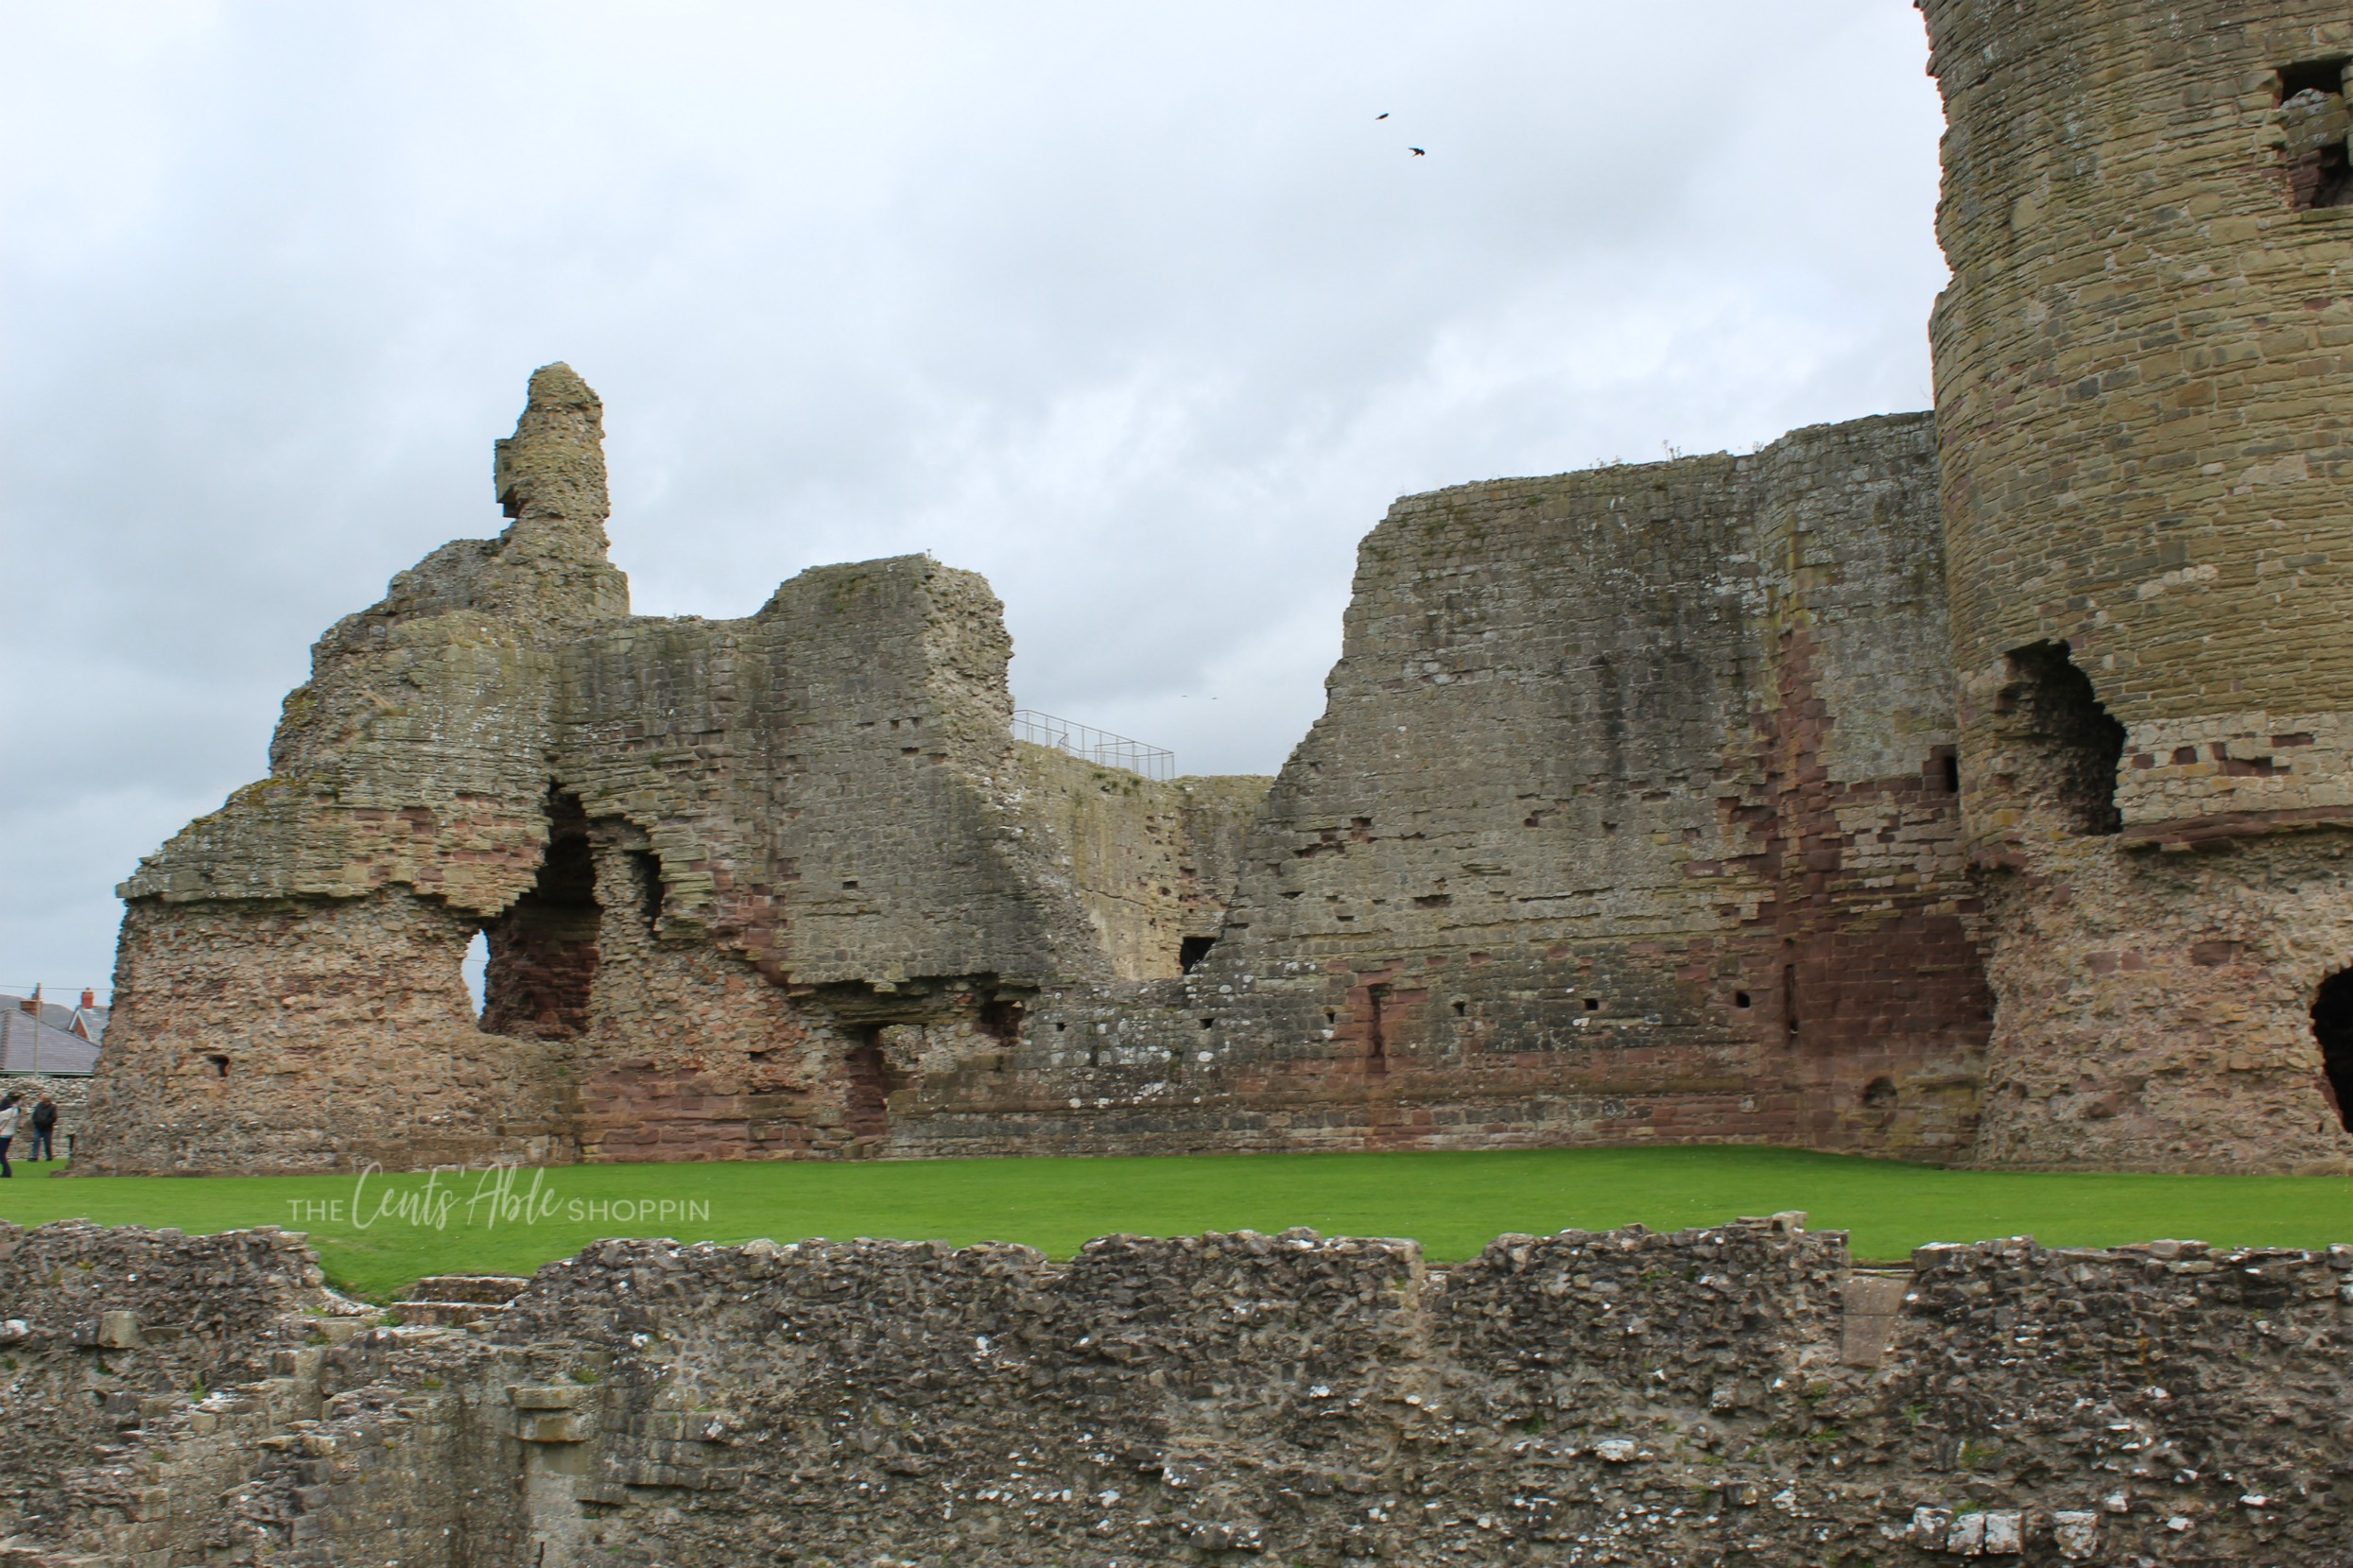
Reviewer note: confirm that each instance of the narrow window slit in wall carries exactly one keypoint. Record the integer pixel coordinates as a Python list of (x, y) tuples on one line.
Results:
[(472, 967), (2332, 1025), (1788, 1000), (220, 1064), (1375, 1030)]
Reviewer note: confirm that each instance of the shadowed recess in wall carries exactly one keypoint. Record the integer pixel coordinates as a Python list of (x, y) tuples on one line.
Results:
[(542, 952), (2067, 746), (2332, 1023)]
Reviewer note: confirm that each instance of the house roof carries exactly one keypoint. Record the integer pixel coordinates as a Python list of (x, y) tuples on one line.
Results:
[(29, 1044)]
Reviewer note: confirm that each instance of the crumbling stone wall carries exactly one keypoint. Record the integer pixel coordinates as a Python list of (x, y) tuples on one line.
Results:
[(2137, 365), (715, 862), (1153, 862), (1740, 1393), (1629, 817)]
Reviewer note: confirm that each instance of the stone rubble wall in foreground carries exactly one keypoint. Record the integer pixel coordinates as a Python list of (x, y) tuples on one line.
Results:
[(1737, 1394)]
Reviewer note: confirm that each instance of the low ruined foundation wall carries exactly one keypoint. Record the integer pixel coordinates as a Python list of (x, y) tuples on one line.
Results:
[(1737, 1394)]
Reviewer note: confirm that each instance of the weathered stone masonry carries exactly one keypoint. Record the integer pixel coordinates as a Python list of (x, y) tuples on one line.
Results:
[(1627, 816), (1734, 1395), (1630, 815)]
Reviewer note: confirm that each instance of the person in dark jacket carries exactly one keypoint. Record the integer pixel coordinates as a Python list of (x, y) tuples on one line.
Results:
[(44, 1128)]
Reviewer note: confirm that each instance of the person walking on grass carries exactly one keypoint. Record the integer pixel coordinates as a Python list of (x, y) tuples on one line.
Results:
[(7, 1130), (44, 1128)]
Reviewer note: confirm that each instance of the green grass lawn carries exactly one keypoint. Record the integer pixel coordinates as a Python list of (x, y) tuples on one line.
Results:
[(1453, 1203)]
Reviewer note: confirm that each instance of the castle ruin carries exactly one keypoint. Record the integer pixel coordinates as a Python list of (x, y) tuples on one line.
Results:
[(1971, 788)]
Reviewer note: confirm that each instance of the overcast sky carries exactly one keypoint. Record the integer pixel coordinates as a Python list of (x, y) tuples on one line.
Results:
[(1137, 310)]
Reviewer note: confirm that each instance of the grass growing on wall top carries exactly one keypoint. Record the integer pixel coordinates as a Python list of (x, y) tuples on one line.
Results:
[(1452, 1202)]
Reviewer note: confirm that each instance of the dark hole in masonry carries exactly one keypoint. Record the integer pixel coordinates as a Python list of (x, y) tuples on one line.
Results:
[(1000, 1019), (1462, 1009), (1739, 999), (2332, 1024), (1375, 1030), (867, 1089), (1951, 760), (1593, 1003), (1208, 1022), (2313, 76), (543, 950), (647, 866), (2069, 744), (1879, 1093), (1192, 950), (1788, 1000), (2313, 121), (219, 1066)]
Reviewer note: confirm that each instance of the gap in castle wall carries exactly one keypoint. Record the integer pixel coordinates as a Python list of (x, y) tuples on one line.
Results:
[(2068, 744), (542, 951)]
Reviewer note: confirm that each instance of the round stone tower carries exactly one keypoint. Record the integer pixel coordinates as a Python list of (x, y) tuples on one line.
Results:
[(2146, 426)]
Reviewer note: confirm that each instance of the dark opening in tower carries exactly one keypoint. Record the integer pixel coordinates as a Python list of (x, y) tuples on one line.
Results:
[(2332, 1023), (2067, 746), (1375, 1030), (543, 950), (2313, 123), (1192, 950)]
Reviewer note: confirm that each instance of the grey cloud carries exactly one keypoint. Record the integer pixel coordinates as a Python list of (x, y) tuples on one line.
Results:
[(1137, 311)]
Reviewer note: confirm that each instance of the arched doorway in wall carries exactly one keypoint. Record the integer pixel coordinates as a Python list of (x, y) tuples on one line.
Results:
[(2332, 1025)]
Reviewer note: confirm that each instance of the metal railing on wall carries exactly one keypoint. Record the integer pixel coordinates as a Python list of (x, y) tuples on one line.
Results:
[(1089, 744)]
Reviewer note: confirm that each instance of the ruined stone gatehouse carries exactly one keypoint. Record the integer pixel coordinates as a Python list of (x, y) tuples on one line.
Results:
[(1975, 786)]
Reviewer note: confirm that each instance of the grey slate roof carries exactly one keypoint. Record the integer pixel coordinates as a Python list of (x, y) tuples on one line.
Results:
[(27, 1044)]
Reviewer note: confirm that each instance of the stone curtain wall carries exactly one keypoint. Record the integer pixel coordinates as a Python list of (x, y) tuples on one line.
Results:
[(1737, 1394), (2140, 370), (1628, 818)]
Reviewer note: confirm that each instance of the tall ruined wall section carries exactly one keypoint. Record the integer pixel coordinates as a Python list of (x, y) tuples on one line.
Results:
[(2140, 365), (1740, 1393), (716, 863), (1629, 817), (288, 981)]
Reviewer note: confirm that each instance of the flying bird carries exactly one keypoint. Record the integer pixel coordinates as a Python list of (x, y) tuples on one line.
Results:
[(1382, 115), (1417, 152)]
